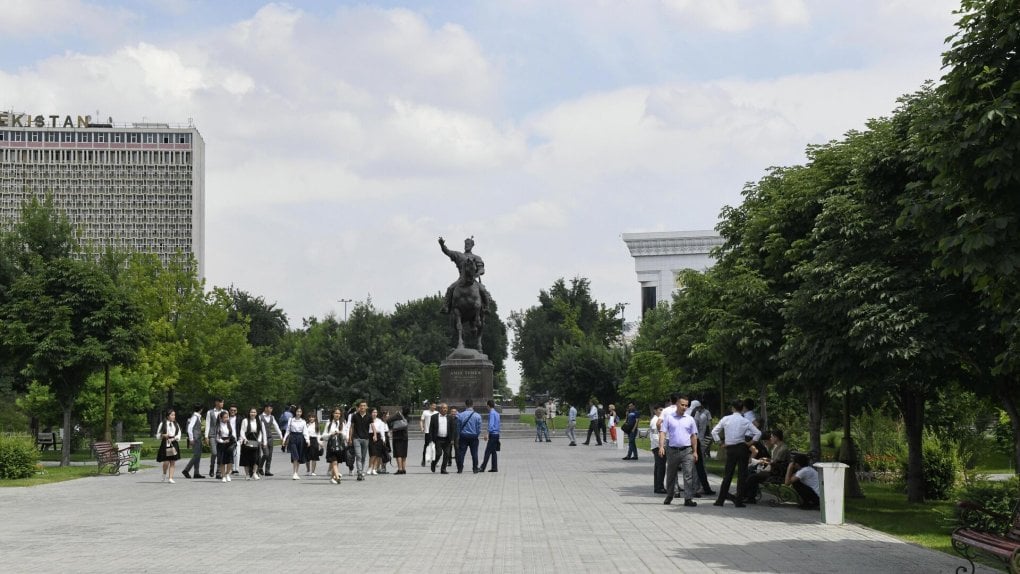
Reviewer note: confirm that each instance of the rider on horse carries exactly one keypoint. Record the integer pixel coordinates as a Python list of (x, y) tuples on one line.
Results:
[(459, 259)]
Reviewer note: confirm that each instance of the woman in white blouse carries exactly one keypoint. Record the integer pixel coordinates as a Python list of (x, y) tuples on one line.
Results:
[(169, 433), (252, 440), (297, 440), (376, 443), (226, 441), (332, 437)]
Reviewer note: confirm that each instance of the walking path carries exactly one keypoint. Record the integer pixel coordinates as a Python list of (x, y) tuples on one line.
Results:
[(551, 508)]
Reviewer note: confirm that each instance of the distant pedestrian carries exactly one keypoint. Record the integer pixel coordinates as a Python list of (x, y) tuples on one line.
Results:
[(226, 439), (398, 435), (470, 424), (377, 444), (442, 429), (333, 436), (296, 440), (572, 425), (541, 428), (169, 433), (492, 438), (659, 470), (602, 422), (235, 421), (593, 424), (193, 430), (630, 427), (702, 418), (735, 429), (253, 437), (314, 454), (423, 424), (212, 421), (358, 434), (272, 430), (611, 420)]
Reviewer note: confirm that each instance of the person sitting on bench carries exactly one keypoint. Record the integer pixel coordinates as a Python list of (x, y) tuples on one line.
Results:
[(803, 478)]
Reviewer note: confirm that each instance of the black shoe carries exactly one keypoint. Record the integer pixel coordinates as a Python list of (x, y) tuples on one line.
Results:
[(690, 502), (740, 505), (234, 472), (572, 444), (219, 476), (717, 503), (268, 474), (423, 463), (198, 475), (668, 499), (660, 491), (709, 493), (186, 474), (493, 470), (584, 443), (443, 471), (481, 468), (361, 477), (625, 458), (475, 470), (433, 467), (460, 471), (548, 440)]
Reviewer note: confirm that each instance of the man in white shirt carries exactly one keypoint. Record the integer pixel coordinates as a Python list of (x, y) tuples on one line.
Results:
[(272, 432), (212, 419), (678, 442), (803, 478), (659, 474), (423, 425), (593, 424), (572, 424), (193, 429), (736, 430)]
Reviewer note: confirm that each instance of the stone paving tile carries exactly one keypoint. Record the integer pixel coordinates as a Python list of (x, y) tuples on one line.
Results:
[(551, 508)]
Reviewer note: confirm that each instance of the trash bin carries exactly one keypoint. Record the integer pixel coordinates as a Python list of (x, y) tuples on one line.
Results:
[(831, 476), (136, 454)]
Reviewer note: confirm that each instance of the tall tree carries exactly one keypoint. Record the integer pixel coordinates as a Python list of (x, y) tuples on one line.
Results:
[(267, 324)]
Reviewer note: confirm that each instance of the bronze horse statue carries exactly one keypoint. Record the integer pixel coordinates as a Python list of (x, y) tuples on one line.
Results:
[(468, 306)]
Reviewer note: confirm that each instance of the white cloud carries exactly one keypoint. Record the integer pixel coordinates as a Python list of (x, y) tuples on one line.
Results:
[(54, 18)]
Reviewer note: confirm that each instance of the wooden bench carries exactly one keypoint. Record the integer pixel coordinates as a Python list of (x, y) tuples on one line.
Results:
[(979, 536), (109, 457), (49, 439)]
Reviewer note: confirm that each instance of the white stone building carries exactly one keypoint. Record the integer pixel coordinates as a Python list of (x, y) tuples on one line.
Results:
[(138, 187), (660, 256)]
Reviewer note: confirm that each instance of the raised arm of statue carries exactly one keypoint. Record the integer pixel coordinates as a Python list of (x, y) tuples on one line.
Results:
[(442, 245)]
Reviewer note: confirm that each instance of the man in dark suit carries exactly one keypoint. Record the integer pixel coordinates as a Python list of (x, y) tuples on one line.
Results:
[(442, 430)]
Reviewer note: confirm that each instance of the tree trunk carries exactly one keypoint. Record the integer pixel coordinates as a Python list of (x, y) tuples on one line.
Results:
[(763, 406), (1014, 422), (65, 447), (912, 403), (848, 453), (815, 395), (107, 415)]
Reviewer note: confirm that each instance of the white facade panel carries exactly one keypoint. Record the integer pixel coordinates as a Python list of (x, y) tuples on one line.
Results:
[(660, 256)]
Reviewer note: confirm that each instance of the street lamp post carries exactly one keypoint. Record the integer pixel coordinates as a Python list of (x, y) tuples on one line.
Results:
[(345, 302)]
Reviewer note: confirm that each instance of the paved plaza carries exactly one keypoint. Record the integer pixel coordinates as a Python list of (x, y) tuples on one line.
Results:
[(551, 508)]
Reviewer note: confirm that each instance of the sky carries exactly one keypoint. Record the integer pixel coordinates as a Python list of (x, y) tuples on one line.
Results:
[(342, 139)]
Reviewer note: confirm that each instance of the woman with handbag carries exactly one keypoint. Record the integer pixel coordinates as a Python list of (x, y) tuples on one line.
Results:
[(226, 440), (169, 433), (333, 436), (398, 430), (376, 442), (252, 440), (297, 440), (314, 454)]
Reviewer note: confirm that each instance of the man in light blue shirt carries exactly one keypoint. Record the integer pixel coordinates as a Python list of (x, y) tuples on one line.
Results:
[(470, 425), (491, 438), (678, 443)]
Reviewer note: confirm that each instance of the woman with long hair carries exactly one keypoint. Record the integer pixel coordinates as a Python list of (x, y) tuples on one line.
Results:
[(252, 439), (226, 440), (312, 457), (333, 437), (297, 440), (169, 433), (376, 443)]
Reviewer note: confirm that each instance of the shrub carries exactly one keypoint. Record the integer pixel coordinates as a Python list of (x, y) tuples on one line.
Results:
[(879, 440), (997, 496), (940, 466), (18, 456)]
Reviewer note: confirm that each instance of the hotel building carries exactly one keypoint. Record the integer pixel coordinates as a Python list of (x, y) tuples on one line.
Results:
[(137, 187), (660, 256)]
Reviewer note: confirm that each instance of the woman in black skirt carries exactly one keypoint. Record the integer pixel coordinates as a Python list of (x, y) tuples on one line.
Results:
[(313, 456), (296, 440), (252, 437), (398, 431), (333, 437), (169, 452), (226, 442)]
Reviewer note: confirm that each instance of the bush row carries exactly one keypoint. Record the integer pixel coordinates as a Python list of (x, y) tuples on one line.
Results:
[(18, 456)]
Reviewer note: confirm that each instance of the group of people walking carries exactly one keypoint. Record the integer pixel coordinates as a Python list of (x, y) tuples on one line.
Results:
[(364, 439)]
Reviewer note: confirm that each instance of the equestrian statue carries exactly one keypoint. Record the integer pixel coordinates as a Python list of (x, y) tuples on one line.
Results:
[(467, 299)]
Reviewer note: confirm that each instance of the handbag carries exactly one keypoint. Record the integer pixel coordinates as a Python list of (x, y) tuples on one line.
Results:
[(430, 452), (399, 425), (171, 448)]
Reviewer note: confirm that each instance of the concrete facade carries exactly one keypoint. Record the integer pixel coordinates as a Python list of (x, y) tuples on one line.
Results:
[(659, 256)]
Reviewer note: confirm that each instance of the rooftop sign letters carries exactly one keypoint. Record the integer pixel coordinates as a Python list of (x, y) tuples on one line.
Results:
[(13, 120)]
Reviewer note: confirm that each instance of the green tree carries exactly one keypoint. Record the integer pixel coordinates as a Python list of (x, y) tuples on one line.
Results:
[(267, 324), (649, 379), (576, 372)]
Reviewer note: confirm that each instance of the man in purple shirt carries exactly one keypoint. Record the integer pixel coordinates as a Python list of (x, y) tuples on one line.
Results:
[(678, 442)]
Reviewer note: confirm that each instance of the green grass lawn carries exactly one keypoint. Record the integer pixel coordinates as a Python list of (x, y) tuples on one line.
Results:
[(52, 474)]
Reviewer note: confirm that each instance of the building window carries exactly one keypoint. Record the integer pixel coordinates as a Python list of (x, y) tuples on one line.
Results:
[(648, 300)]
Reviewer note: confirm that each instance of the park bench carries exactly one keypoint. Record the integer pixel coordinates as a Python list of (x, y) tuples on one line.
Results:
[(110, 457), (46, 440), (781, 493), (978, 535)]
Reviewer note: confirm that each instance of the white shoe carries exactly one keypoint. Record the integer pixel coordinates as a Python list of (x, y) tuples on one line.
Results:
[(163, 479), (228, 478), (247, 478), (171, 481), (296, 477), (334, 481), (224, 479), (313, 474), (258, 476)]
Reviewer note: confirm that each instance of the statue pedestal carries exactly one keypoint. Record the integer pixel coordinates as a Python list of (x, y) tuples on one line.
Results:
[(466, 374)]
